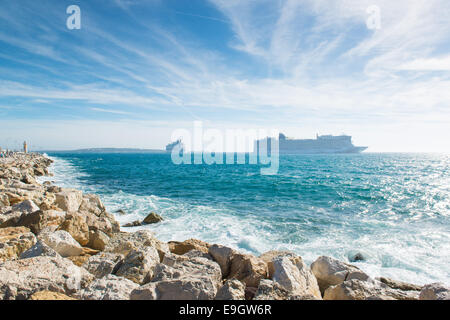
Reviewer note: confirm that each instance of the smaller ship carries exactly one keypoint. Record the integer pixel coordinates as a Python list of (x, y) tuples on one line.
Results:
[(172, 145)]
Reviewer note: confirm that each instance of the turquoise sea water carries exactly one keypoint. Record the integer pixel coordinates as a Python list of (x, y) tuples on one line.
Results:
[(394, 209)]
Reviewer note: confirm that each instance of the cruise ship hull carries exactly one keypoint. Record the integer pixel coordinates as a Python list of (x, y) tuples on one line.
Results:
[(321, 145), (322, 151)]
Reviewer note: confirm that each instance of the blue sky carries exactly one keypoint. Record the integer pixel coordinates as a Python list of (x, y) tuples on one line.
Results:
[(139, 69)]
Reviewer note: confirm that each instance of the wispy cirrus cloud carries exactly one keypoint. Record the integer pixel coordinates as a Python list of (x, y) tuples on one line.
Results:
[(234, 60)]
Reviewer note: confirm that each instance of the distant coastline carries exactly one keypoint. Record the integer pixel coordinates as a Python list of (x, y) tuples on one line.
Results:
[(106, 150)]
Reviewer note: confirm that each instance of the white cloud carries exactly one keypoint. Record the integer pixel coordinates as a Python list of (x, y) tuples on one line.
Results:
[(430, 64), (317, 61)]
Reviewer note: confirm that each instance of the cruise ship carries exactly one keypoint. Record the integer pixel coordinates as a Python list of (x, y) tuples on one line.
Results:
[(172, 145), (322, 144)]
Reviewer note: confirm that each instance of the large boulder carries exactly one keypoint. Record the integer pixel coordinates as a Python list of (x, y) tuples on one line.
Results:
[(367, 290), (174, 266), (271, 290), (330, 272), (269, 256), (247, 269), (40, 220), (39, 249), (139, 264), (292, 274), (25, 207), (49, 295), (14, 241), (103, 264), (188, 245), (186, 288), (109, 288), (97, 240), (92, 203), (105, 222), (192, 279), (395, 284), (11, 218), (79, 261), (198, 254), (75, 224), (62, 242), (232, 290), (19, 279), (125, 242), (435, 291), (223, 256), (69, 200), (14, 198)]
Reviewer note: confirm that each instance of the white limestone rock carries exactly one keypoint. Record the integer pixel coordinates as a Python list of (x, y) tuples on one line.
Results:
[(109, 288), (330, 272), (232, 290), (62, 242), (19, 279), (292, 274)]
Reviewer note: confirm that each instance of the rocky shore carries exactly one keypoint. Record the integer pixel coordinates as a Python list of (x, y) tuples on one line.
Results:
[(61, 244)]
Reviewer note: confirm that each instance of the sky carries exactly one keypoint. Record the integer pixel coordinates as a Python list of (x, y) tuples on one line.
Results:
[(138, 70)]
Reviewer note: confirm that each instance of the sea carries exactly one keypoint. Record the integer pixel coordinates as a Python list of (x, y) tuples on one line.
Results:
[(390, 210)]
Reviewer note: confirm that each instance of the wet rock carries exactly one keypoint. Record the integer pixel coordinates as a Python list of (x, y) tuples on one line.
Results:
[(138, 266), (14, 241), (329, 272), (19, 279), (357, 257), (188, 245), (152, 218), (231, 290), (136, 223), (435, 291), (62, 242), (49, 295), (103, 264), (121, 212), (367, 290), (109, 288)]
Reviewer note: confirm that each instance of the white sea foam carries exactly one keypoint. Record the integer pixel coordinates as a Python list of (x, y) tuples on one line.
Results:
[(404, 256)]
